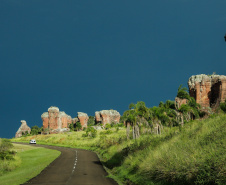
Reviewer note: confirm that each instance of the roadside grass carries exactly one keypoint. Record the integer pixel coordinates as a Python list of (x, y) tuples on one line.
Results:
[(8, 158), (33, 161), (194, 154), (9, 165)]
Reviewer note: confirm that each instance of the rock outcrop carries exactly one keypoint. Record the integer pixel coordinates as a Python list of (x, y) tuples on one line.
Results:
[(83, 119), (74, 120), (107, 116), (179, 102), (208, 90), (55, 121), (23, 129)]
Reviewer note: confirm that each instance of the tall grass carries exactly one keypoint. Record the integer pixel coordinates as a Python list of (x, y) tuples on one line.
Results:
[(9, 165), (8, 158), (194, 154)]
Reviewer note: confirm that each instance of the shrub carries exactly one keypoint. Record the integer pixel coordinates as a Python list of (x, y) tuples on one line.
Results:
[(84, 128), (35, 130), (91, 132), (85, 135), (105, 132), (7, 156), (71, 127), (91, 121), (223, 106), (78, 126), (107, 126), (120, 125), (5, 145), (182, 93)]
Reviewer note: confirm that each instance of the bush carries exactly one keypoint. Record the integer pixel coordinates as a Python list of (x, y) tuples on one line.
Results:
[(84, 128), (223, 106), (5, 145), (85, 135), (71, 126), (78, 126), (91, 121), (182, 93), (6, 156), (107, 126), (35, 130), (91, 132), (106, 132), (120, 125)]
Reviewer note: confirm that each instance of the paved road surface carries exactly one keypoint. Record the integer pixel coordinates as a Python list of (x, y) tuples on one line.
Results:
[(73, 167)]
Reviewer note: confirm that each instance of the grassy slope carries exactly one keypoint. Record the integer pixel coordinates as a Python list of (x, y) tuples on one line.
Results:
[(33, 161), (195, 154)]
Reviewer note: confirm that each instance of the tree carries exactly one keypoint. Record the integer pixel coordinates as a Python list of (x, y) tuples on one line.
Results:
[(78, 126), (91, 121), (35, 130), (72, 126), (133, 117), (5, 149), (184, 109), (182, 93)]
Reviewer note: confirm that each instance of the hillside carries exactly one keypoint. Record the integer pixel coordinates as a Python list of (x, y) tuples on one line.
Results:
[(194, 154)]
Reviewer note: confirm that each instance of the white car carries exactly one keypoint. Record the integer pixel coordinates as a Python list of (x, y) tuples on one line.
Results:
[(32, 141)]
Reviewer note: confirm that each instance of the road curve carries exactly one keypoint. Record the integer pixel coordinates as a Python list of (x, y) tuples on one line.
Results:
[(72, 167)]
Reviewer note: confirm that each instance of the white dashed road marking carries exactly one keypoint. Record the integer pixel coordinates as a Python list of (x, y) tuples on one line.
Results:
[(73, 169)]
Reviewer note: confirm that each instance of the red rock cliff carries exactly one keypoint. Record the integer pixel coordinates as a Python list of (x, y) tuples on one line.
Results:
[(107, 116), (83, 118), (207, 90), (56, 121)]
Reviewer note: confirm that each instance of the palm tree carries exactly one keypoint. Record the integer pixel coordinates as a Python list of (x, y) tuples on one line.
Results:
[(128, 120), (190, 110), (134, 116), (182, 92)]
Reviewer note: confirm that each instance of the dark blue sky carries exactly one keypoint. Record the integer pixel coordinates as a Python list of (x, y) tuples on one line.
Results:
[(93, 55)]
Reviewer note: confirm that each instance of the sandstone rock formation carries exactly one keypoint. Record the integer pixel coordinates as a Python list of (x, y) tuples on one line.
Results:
[(83, 119), (74, 120), (55, 121), (107, 116), (208, 90), (23, 128), (179, 102)]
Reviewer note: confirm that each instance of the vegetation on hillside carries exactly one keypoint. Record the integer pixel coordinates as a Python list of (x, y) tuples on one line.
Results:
[(166, 114), (193, 154), (165, 144)]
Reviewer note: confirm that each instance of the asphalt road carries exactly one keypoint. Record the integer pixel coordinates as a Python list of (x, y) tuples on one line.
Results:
[(73, 167)]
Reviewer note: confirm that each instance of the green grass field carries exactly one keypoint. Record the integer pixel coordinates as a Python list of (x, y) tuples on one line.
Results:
[(33, 161), (194, 154)]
